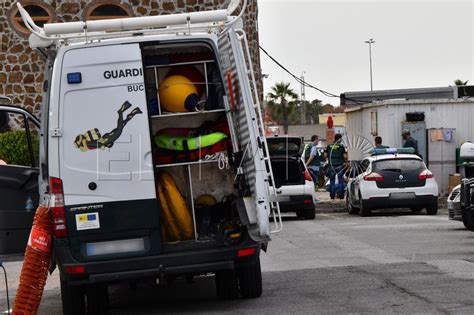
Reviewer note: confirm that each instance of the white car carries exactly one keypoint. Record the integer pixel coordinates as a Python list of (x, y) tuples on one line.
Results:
[(392, 180), (294, 184)]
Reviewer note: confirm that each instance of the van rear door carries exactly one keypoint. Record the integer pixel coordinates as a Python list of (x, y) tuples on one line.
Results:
[(105, 154), (243, 104)]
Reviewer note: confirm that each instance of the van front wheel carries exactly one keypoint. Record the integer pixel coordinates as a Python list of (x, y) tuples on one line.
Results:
[(250, 280), (73, 298)]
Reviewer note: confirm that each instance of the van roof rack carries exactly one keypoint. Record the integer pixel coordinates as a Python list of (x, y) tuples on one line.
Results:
[(50, 33)]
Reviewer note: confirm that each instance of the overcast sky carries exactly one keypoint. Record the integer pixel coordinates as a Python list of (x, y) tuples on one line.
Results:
[(418, 43)]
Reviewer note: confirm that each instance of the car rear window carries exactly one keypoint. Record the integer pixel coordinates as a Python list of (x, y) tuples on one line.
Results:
[(398, 165), (281, 147)]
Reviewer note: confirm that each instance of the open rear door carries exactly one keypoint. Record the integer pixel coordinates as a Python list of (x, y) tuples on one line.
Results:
[(105, 154), (250, 135)]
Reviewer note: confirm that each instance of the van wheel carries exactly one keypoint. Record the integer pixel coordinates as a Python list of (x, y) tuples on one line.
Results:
[(364, 211), (227, 285), (73, 298), (97, 299), (250, 280), (432, 209)]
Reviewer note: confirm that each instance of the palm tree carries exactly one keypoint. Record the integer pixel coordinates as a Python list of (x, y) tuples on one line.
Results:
[(281, 103), (459, 82)]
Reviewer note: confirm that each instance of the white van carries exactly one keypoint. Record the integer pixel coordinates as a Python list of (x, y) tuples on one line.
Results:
[(153, 153)]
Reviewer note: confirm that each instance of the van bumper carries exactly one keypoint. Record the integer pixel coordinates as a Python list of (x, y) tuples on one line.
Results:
[(196, 262)]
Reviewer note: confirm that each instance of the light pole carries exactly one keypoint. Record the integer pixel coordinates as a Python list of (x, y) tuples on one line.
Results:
[(370, 42), (303, 99)]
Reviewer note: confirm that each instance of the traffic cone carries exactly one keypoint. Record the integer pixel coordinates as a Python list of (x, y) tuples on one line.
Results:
[(36, 264)]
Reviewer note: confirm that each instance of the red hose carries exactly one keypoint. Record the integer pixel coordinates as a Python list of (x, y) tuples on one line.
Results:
[(35, 265)]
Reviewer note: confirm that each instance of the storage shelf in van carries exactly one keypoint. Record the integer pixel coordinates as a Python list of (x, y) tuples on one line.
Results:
[(186, 163), (203, 112), (179, 64)]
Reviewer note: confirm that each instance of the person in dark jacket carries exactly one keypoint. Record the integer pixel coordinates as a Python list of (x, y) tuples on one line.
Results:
[(409, 142), (336, 154)]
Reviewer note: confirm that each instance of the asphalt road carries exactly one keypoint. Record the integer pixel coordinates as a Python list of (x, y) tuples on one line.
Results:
[(397, 262)]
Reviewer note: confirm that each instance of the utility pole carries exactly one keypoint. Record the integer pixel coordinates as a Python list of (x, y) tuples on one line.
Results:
[(303, 100), (370, 42)]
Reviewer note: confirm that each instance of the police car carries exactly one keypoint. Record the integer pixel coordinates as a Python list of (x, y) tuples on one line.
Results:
[(392, 178)]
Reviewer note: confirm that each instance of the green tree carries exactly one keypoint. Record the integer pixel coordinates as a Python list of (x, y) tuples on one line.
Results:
[(459, 82), (312, 111), (282, 103)]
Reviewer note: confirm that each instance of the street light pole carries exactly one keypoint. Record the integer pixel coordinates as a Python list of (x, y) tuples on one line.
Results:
[(370, 42), (303, 99)]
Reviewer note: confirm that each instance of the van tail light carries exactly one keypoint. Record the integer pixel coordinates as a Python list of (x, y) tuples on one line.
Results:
[(425, 175), (75, 269), (373, 177), (307, 176), (57, 207), (244, 252)]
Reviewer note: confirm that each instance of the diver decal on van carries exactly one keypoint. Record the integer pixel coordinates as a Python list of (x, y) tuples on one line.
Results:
[(92, 139)]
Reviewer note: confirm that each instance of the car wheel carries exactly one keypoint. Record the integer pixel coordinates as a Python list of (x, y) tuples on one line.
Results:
[(349, 207), (432, 209), (97, 299), (73, 298), (227, 285), (467, 220), (416, 209), (310, 214), (250, 280), (364, 211)]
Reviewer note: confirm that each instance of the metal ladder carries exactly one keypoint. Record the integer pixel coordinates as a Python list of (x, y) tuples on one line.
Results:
[(259, 131)]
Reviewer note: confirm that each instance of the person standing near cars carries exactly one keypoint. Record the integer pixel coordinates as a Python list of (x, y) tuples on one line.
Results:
[(337, 156), (378, 143), (409, 141), (312, 159)]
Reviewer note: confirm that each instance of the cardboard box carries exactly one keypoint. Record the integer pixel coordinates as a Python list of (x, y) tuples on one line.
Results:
[(454, 180)]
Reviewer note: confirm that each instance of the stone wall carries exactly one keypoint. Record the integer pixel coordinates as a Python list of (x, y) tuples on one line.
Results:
[(21, 71)]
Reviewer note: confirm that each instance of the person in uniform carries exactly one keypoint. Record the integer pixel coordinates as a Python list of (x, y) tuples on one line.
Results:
[(337, 157)]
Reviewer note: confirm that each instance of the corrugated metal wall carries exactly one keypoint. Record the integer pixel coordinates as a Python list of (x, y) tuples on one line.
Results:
[(456, 114)]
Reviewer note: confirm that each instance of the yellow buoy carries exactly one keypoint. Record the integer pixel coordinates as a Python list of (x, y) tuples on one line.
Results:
[(178, 94)]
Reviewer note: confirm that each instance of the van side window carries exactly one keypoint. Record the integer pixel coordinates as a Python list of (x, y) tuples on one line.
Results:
[(19, 140)]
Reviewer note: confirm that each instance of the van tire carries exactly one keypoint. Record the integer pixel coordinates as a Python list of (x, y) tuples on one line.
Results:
[(250, 280), (97, 299), (73, 299), (227, 285)]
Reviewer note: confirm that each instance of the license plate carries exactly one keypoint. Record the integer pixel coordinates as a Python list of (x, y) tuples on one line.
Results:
[(403, 195), (115, 247)]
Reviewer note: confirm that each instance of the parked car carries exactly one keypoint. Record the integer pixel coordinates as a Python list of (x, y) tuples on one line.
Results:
[(454, 204), (392, 179), (19, 170), (455, 211), (292, 178)]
